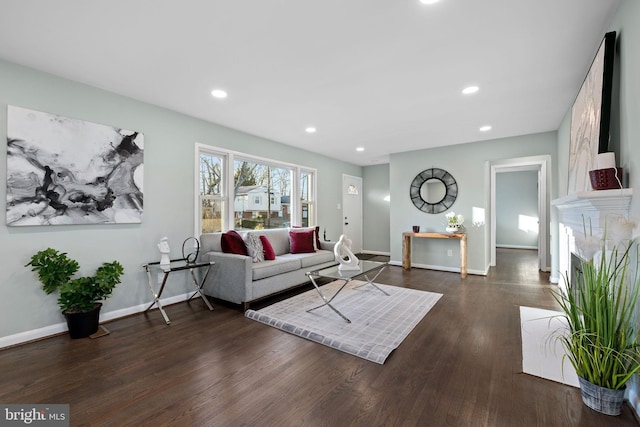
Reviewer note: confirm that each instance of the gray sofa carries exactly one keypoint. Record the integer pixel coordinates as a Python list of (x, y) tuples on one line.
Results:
[(237, 279)]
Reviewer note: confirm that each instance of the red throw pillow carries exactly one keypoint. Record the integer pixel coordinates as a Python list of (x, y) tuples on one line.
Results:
[(317, 234), (232, 243), (269, 253), (301, 241)]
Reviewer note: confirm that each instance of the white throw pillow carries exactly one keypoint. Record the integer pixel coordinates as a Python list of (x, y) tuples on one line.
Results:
[(254, 247)]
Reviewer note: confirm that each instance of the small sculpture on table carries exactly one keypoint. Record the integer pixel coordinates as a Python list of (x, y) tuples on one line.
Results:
[(164, 249), (191, 256), (343, 254)]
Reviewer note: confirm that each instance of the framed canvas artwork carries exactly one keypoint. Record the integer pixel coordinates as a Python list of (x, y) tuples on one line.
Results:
[(62, 170), (590, 116)]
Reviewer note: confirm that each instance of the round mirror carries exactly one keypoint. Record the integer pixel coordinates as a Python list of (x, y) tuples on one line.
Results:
[(433, 190)]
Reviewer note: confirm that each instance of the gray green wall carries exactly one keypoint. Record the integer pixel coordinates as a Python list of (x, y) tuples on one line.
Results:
[(626, 123), (168, 198), (376, 209), (516, 194), (469, 165)]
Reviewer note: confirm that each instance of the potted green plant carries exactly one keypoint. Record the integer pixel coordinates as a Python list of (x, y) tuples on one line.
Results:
[(601, 340), (79, 298)]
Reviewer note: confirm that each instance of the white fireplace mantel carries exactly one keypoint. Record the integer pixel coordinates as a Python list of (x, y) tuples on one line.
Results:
[(577, 208), (588, 210)]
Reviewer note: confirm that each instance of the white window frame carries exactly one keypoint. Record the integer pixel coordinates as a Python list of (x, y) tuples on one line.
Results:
[(311, 200), (228, 159), (223, 197)]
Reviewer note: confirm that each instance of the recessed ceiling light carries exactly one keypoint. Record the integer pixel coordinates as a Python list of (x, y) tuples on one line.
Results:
[(310, 129), (429, 1), (469, 90), (485, 128), (219, 93), (360, 149)]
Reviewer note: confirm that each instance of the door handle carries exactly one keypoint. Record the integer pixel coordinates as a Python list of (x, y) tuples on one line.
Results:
[(346, 223)]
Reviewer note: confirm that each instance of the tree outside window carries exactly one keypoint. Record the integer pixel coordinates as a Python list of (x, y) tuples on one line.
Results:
[(211, 200), (269, 188)]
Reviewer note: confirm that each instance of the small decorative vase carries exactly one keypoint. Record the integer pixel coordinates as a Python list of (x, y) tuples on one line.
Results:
[(601, 399), (451, 229)]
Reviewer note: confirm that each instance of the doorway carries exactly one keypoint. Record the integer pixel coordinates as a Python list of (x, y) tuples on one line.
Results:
[(352, 210), (519, 165), (517, 225)]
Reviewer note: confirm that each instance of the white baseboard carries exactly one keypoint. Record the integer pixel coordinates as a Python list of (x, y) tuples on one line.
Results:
[(376, 253), (436, 267), (32, 335), (634, 400), (442, 268), (517, 247), (142, 307), (58, 328)]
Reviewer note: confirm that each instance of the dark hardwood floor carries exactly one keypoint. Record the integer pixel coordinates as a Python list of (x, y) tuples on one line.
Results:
[(460, 366)]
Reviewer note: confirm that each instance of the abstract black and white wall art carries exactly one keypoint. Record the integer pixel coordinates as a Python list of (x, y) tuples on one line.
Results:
[(590, 117), (62, 170)]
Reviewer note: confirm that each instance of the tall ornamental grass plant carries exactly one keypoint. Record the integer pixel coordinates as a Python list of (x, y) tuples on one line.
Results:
[(602, 337)]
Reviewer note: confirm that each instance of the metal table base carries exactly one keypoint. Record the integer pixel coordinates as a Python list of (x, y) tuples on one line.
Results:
[(176, 265), (349, 276)]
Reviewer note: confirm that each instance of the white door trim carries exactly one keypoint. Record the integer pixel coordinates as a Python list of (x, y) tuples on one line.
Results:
[(518, 165)]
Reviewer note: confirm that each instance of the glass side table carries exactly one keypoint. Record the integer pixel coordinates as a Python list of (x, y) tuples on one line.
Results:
[(176, 265)]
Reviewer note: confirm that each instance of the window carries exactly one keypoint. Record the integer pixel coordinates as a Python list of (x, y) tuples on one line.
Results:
[(211, 201), (306, 198), (243, 192), (269, 185)]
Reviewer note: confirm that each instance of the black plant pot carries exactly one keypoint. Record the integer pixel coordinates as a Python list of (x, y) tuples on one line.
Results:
[(81, 325)]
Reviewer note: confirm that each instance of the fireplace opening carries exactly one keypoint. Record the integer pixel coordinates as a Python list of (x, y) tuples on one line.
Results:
[(576, 276)]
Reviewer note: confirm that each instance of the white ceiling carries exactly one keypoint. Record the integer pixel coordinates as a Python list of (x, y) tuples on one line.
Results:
[(386, 75)]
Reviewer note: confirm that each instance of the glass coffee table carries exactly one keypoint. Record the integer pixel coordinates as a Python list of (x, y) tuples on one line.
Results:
[(366, 268)]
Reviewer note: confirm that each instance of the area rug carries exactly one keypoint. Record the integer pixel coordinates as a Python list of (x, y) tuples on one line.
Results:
[(379, 323)]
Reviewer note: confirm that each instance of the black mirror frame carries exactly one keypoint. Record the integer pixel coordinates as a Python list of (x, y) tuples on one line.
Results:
[(451, 190)]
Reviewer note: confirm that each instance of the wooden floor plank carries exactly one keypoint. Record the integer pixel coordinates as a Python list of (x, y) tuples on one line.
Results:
[(460, 366)]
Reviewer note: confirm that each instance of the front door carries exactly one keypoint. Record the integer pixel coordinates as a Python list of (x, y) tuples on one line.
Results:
[(352, 210)]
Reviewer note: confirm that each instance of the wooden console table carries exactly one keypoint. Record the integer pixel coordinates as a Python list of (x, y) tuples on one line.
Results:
[(406, 248)]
